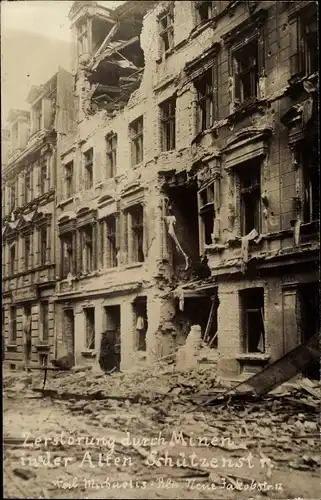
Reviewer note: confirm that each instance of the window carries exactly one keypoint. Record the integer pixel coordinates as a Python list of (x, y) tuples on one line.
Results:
[(250, 197), (88, 157), (90, 327), (111, 226), (27, 251), (252, 319), (43, 177), (13, 325), (13, 194), (111, 155), (168, 118), (69, 168), (67, 254), (44, 321), (207, 213), (13, 256), (166, 30), (136, 243), (311, 181), (246, 72), (87, 249), (206, 88), (205, 10), (304, 42), (136, 135), (43, 246), (82, 38), (37, 116), (27, 187)]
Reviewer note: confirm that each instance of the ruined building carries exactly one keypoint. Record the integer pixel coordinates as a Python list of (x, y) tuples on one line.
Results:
[(189, 193), (30, 151)]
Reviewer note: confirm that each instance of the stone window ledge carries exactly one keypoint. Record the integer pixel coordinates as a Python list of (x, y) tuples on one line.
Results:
[(253, 356), (65, 202), (42, 346), (11, 347), (246, 108), (135, 264), (89, 353)]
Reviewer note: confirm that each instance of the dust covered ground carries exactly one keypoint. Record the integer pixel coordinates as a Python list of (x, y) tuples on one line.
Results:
[(149, 435)]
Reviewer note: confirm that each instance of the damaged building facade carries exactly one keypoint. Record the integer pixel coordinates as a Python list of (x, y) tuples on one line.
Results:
[(188, 194), (29, 168)]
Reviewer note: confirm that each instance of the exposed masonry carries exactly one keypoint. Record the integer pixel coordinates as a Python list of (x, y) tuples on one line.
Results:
[(200, 197)]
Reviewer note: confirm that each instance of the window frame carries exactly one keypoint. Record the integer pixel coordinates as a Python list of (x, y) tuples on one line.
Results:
[(88, 264), (111, 154), (205, 210), (67, 251), (137, 231), (27, 187), (27, 255), (13, 321), (252, 71), (89, 168), (69, 171), (111, 237), (13, 191), (43, 178), (300, 56), (44, 321), (205, 117), (166, 32), (12, 266), (211, 7), (168, 119), (246, 308), (136, 129), (43, 249), (90, 346), (252, 192), (82, 34)]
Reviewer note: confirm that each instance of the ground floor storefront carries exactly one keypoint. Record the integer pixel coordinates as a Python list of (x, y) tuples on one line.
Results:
[(28, 310)]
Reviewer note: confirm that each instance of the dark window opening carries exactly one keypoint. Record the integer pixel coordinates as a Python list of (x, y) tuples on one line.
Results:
[(67, 254), (252, 311), (309, 321), (168, 121), (206, 99), (110, 340), (311, 183), (136, 135), (141, 322), (69, 329), (44, 321), (43, 177), (111, 155), (166, 30), (12, 267), (90, 327), (27, 251), (250, 197), (304, 44), (205, 10), (69, 168), (43, 359), (137, 234), (27, 193), (111, 227), (88, 264), (246, 72), (207, 213), (13, 193), (89, 179), (43, 246), (13, 325), (37, 116)]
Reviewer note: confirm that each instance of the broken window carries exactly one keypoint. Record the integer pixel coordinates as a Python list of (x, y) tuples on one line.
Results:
[(111, 226), (110, 340), (168, 118), (13, 325), (252, 310), (69, 168), (27, 194), (27, 251), (166, 30), (44, 321), (250, 197), (67, 254), (13, 257), (82, 38), (246, 72), (43, 246), (13, 194), (304, 45), (43, 177), (111, 155), (136, 135), (90, 327), (137, 227), (206, 87), (205, 10), (87, 248), (311, 183), (207, 213), (141, 323), (89, 180)]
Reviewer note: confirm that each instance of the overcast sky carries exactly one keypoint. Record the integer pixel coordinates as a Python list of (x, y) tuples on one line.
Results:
[(45, 17)]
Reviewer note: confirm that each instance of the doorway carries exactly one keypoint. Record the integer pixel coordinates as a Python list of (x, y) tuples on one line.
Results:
[(110, 341), (309, 294)]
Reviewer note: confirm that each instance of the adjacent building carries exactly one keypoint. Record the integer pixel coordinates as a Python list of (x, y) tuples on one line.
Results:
[(29, 178), (188, 189)]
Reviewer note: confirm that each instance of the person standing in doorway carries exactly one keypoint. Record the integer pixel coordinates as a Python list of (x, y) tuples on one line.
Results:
[(27, 340)]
